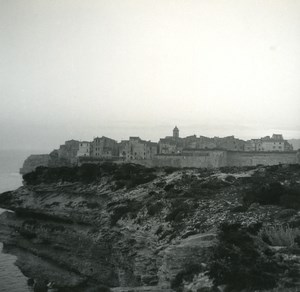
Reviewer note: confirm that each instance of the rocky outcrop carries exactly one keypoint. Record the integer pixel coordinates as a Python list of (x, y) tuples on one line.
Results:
[(64, 156), (128, 227), (33, 161)]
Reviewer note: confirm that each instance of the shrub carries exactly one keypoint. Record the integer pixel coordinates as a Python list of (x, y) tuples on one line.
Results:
[(89, 172), (179, 212), (238, 263), (187, 274), (239, 209), (5, 198), (93, 205), (131, 175), (129, 207), (154, 208), (279, 235), (198, 190), (214, 184), (169, 170), (274, 194)]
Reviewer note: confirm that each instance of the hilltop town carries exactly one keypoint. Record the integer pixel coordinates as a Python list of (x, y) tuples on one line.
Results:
[(173, 151), (135, 148)]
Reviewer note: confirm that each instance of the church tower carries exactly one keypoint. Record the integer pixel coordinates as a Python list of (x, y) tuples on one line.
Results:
[(175, 133)]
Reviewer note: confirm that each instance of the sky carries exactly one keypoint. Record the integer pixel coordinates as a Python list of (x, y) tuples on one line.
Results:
[(119, 68)]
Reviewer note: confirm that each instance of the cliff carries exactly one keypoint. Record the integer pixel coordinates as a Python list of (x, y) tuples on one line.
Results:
[(57, 158), (33, 161), (132, 228)]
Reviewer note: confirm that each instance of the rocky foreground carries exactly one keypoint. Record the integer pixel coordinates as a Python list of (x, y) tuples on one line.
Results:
[(128, 228)]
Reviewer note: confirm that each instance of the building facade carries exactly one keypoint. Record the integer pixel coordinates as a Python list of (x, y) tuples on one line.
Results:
[(104, 148), (84, 149), (68, 151), (135, 149), (269, 144)]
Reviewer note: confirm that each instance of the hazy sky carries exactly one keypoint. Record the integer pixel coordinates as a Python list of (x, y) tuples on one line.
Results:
[(79, 69)]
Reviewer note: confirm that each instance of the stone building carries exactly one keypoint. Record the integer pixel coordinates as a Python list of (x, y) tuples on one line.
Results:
[(175, 133), (84, 149), (274, 143), (226, 143), (205, 143), (171, 144), (190, 141), (250, 145), (167, 146), (104, 148), (229, 143), (288, 146), (136, 149), (68, 151)]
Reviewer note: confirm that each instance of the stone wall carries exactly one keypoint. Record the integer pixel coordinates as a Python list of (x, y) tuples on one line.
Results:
[(264, 158), (189, 158), (199, 159), (219, 158)]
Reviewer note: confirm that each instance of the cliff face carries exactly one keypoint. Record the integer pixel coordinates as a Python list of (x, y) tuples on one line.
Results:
[(57, 158), (33, 161), (128, 226)]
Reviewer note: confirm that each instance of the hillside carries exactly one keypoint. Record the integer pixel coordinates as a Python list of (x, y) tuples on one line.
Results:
[(130, 228)]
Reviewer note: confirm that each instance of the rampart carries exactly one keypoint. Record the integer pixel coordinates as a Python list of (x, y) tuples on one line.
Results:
[(220, 158), (199, 159), (264, 158)]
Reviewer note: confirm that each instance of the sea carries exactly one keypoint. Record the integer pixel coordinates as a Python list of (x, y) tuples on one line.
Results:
[(11, 278)]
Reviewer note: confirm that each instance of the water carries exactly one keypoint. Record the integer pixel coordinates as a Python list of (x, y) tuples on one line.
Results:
[(11, 278)]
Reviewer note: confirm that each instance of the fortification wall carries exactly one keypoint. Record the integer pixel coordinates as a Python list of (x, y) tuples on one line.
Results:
[(264, 158), (215, 159), (201, 159)]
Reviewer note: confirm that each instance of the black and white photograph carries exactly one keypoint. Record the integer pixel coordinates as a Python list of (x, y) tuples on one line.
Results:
[(149, 145)]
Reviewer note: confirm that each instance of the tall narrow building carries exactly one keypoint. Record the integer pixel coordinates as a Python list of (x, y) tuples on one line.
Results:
[(175, 133)]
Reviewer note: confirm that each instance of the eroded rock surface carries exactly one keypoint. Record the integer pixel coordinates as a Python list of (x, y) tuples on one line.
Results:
[(130, 228)]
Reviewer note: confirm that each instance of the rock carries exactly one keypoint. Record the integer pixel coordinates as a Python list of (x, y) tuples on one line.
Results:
[(192, 250), (85, 233), (33, 161)]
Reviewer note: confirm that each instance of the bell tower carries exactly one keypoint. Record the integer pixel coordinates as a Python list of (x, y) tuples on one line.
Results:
[(175, 133)]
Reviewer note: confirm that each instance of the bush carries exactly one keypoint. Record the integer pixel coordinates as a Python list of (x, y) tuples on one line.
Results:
[(154, 208), (187, 274), (179, 212), (93, 205), (239, 209), (169, 170), (238, 263), (131, 175), (274, 194), (279, 235), (129, 207), (198, 190), (5, 198)]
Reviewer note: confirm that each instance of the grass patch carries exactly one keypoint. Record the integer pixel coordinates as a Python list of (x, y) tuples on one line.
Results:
[(280, 235)]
